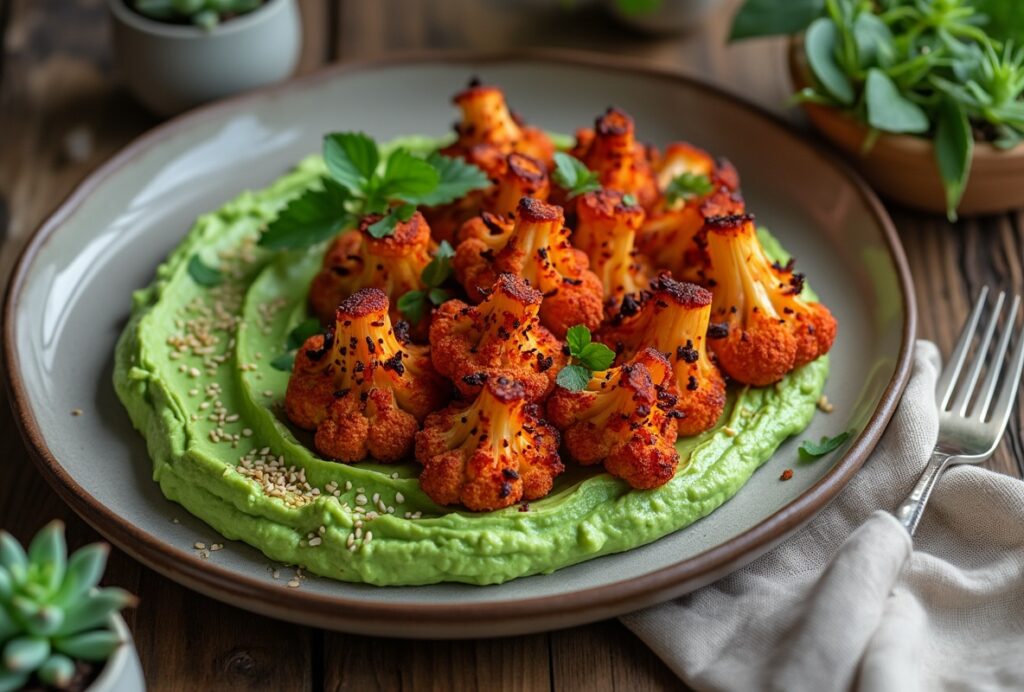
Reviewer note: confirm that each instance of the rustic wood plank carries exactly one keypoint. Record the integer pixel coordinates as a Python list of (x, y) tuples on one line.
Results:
[(606, 656)]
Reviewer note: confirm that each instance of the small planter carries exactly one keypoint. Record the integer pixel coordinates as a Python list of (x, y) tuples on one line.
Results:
[(669, 17), (172, 67), (122, 672), (902, 167)]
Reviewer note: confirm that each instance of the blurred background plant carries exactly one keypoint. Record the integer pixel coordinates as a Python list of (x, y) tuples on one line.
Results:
[(53, 618), (948, 70), (204, 13)]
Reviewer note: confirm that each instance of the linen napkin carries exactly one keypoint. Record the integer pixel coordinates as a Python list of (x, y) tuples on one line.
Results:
[(850, 602)]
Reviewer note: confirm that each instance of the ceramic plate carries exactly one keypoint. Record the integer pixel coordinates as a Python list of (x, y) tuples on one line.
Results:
[(69, 300)]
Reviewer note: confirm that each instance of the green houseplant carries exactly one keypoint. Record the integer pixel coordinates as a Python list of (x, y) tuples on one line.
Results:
[(57, 628), (948, 73)]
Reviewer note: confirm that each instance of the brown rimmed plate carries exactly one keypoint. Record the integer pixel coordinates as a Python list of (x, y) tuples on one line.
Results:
[(69, 298)]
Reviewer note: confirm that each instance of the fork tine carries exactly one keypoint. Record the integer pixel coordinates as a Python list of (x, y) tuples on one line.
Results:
[(950, 373), (963, 395), (988, 387), (1011, 385)]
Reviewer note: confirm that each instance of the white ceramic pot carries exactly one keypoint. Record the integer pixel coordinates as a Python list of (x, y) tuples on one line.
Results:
[(122, 672), (172, 67)]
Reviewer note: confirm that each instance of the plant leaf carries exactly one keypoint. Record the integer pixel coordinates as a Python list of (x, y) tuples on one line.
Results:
[(687, 186), (57, 671), (93, 611), (49, 553), (596, 356), (89, 646), (202, 273), (12, 555), (440, 267), (85, 567), (284, 362), (954, 144), (301, 332), (385, 226), (351, 159), (413, 306), (774, 17), (406, 177), (310, 218), (25, 654), (577, 338), (456, 178), (812, 450), (438, 296), (573, 377), (574, 176), (888, 109), (874, 41), (820, 45)]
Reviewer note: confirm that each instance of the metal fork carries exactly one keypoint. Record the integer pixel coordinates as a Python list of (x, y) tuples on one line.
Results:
[(971, 426)]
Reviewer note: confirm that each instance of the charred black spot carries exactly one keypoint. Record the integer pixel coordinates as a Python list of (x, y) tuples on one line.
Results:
[(691, 383), (401, 330), (394, 363), (506, 490), (687, 353), (510, 474), (544, 364), (338, 394), (475, 379), (718, 330)]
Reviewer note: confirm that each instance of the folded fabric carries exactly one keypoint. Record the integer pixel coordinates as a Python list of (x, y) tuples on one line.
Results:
[(850, 602)]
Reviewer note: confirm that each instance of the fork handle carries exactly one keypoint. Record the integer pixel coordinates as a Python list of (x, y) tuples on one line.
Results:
[(909, 513)]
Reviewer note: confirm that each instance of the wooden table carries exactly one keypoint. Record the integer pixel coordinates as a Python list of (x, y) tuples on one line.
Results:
[(62, 113)]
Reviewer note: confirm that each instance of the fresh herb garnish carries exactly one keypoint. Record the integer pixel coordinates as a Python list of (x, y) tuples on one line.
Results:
[(687, 186), (202, 273), (359, 183), (284, 362), (629, 200), (574, 176), (296, 338), (812, 450), (415, 304), (589, 357)]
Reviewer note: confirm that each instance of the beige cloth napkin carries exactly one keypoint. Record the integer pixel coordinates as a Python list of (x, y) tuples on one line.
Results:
[(850, 603)]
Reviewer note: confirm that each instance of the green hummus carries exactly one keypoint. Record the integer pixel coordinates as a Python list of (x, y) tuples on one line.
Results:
[(193, 369)]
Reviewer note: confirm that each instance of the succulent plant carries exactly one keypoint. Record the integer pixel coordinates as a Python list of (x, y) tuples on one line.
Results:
[(204, 13), (51, 612)]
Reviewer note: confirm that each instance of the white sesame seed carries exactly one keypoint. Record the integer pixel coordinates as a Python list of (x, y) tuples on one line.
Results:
[(313, 542), (247, 432), (360, 499), (399, 498), (294, 584), (200, 546), (731, 432), (369, 537)]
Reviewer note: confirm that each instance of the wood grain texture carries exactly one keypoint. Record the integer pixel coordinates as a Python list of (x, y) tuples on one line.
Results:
[(62, 113)]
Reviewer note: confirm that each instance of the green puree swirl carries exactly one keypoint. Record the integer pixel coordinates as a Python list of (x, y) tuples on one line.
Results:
[(193, 370)]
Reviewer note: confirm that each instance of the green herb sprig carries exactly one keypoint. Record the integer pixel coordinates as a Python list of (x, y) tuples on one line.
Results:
[(573, 175), (296, 337), (203, 274), (360, 183), (588, 357), (203, 13), (688, 186), (810, 450), (414, 304)]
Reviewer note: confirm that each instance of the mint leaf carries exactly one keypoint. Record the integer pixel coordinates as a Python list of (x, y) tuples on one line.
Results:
[(687, 186), (303, 331), (413, 305), (456, 178), (284, 362), (386, 226), (573, 377), (202, 273), (596, 356), (438, 295), (810, 450), (310, 218), (406, 177), (439, 268), (573, 175), (577, 339), (351, 159)]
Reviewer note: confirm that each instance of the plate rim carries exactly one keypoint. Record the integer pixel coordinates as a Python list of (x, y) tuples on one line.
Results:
[(429, 619)]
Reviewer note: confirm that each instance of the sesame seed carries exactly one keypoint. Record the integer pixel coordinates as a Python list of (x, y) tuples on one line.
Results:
[(200, 546), (293, 584), (369, 537), (731, 432), (247, 432), (217, 546), (314, 542), (824, 404), (399, 498), (76, 412)]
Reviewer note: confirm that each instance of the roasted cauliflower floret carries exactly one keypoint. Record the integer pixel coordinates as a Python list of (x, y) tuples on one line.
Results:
[(673, 319), (682, 157), (621, 163), (489, 454), (362, 390), (623, 419), (761, 325), (606, 231), (502, 336), (538, 250), (356, 260), (487, 121)]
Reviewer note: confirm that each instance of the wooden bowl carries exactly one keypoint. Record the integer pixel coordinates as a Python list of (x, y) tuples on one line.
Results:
[(902, 168)]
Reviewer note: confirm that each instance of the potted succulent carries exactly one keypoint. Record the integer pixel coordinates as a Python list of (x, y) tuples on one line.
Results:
[(57, 629), (174, 54), (925, 96)]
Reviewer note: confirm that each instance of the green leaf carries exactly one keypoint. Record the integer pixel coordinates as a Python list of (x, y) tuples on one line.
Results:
[(438, 296), (954, 144), (12, 556), (310, 218), (812, 450), (10, 681), (874, 41), (202, 273), (573, 377), (93, 611), (284, 362), (46, 621), (351, 159), (303, 331), (6, 588), (57, 671), (774, 17), (25, 654), (413, 305), (573, 176), (687, 186), (629, 200), (440, 267), (385, 226), (577, 338), (888, 109), (90, 646), (820, 45), (84, 571), (596, 356), (407, 177), (49, 553), (456, 178)]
